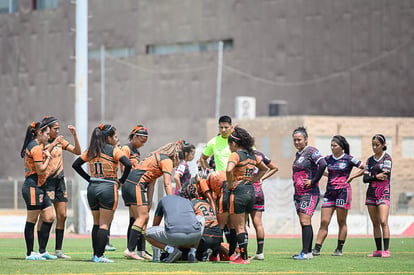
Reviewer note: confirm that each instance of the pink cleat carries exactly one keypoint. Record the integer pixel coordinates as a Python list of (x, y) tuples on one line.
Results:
[(386, 254), (377, 253)]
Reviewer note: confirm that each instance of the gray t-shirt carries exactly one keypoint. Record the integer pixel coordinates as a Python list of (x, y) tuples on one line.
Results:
[(178, 215)]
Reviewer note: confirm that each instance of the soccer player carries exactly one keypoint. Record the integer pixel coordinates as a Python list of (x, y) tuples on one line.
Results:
[(338, 192), (239, 174), (378, 175), (103, 156), (182, 175), (55, 183), (34, 194), (308, 168), (138, 190), (137, 138), (259, 204)]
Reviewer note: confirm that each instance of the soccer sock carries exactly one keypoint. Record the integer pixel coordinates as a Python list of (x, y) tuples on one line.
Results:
[(386, 244), (226, 232), (340, 244), (242, 240), (169, 249), (29, 237), (59, 239), (318, 247), (307, 236), (232, 241), (134, 236), (260, 244), (101, 240), (44, 236), (141, 246), (311, 240), (192, 251), (95, 229), (131, 223), (378, 243)]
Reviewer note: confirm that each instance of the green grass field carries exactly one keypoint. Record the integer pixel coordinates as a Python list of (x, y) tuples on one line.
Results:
[(278, 260)]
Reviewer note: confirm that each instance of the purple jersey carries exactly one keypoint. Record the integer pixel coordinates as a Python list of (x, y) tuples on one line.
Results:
[(304, 167), (260, 156), (339, 170), (184, 172), (375, 167)]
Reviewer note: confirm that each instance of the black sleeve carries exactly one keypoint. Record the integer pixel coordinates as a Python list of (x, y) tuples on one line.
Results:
[(319, 171), (127, 164), (77, 166), (367, 178)]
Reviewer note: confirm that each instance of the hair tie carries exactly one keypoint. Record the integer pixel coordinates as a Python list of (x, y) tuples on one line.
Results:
[(101, 126), (32, 125), (107, 130)]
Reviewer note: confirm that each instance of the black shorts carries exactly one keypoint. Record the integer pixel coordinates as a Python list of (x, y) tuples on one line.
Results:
[(134, 193), (34, 196), (56, 189), (102, 194), (242, 199), (223, 200)]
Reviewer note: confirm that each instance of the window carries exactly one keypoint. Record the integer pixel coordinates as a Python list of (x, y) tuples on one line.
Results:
[(45, 4), (116, 52), (8, 6), (187, 47), (265, 146), (323, 144), (407, 147), (287, 146)]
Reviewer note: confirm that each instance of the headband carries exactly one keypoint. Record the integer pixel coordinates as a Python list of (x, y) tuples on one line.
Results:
[(380, 138), (101, 127), (140, 131)]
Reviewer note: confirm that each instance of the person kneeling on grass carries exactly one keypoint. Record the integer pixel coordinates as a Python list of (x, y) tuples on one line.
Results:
[(182, 228)]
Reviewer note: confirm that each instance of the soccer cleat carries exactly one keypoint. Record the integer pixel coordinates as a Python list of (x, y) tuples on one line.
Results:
[(174, 256), (386, 254), (144, 255), (214, 259), (34, 257), (337, 252), (101, 260), (191, 258), (316, 252), (239, 260), (109, 247), (47, 256), (259, 257), (377, 253), (61, 255), (303, 256), (132, 255)]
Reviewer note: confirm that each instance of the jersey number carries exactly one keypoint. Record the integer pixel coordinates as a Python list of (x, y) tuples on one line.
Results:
[(98, 167), (248, 172), (207, 212)]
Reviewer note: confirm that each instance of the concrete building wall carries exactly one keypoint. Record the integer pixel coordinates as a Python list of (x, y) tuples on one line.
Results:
[(351, 58)]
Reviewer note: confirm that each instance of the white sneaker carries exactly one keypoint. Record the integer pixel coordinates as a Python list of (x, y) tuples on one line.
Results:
[(259, 257), (144, 254), (61, 255), (309, 255)]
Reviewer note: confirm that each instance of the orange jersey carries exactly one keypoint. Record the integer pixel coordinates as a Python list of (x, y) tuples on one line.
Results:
[(155, 166), (104, 166), (214, 182), (55, 167), (204, 209), (133, 154), (34, 154), (245, 162)]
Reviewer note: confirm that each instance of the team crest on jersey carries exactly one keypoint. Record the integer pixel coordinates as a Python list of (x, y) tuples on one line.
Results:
[(342, 165), (300, 160)]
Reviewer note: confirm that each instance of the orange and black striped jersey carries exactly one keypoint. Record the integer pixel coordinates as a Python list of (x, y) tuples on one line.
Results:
[(155, 165), (133, 154), (245, 162), (55, 166), (214, 182), (104, 166), (34, 154), (204, 209)]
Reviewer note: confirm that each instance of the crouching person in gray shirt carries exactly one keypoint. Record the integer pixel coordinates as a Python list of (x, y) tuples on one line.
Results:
[(182, 228)]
